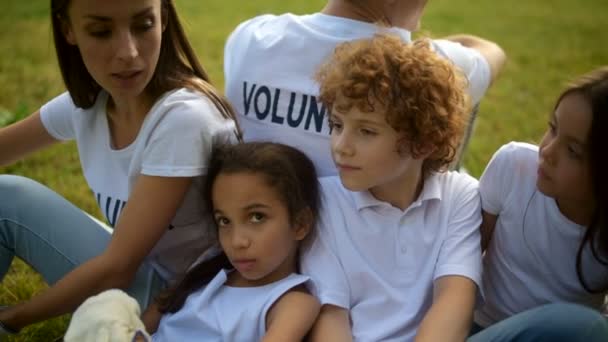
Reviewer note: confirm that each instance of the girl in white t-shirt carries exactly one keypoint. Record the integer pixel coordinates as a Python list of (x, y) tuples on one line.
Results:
[(545, 215), (145, 118), (265, 200)]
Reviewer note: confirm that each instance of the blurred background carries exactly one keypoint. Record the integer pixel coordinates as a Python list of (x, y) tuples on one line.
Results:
[(548, 42)]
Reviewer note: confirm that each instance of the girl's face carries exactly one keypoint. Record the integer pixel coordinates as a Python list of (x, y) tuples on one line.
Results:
[(563, 171), (254, 228), (119, 42)]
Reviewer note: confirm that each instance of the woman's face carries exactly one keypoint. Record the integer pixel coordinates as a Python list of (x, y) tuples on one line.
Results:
[(119, 42)]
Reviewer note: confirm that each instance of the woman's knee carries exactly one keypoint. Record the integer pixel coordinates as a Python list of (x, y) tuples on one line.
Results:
[(13, 188), (18, 193)]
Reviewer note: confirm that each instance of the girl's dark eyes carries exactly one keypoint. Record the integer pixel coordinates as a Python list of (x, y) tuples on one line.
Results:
[(257, 217), (574, 153), (222, 221)]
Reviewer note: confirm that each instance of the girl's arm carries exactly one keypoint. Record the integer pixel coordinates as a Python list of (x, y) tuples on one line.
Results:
[(333, 324), (451, 314), (488, 223), (290, 318), (151, 318), (151, 206), (22, 138)]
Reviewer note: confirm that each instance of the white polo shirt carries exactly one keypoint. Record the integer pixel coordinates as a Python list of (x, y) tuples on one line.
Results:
[(380, 262)]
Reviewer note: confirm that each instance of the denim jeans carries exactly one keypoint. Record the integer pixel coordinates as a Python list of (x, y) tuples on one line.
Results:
[(54, 236), (552, 322)]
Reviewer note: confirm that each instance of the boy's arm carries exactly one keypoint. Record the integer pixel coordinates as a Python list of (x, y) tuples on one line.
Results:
[(492, 52), (291, 317), (488, 223), (151, 318), (333, 324), (451, 314)]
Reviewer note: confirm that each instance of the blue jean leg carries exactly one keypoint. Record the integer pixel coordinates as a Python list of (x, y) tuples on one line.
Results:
[(54, 236), (552, 322)]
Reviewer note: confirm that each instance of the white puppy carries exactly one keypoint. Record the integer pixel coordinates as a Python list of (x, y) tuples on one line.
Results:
[(111, 316)]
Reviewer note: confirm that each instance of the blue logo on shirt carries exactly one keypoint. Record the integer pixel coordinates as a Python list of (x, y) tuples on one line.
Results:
[(284, 107), (111, 207)]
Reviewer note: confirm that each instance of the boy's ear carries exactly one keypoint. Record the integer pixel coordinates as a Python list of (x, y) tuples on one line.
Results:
[(303, 224), (418, 151)]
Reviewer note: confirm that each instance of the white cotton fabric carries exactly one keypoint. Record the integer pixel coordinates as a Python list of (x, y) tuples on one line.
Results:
[(219, 312), (175, 140), (531, 259), (381, 262)]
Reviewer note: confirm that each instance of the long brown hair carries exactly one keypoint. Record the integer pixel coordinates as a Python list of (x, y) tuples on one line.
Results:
[(285, 169), (177, 67), (594, 88)]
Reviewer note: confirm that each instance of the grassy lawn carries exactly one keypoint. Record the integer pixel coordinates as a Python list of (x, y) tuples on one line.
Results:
[(548, 42)]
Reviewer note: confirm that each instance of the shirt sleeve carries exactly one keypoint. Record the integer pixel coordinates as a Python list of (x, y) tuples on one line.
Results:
[(460, 252), (471, 63), (56, 116), (495, 182), (182, 138), (320, 262)]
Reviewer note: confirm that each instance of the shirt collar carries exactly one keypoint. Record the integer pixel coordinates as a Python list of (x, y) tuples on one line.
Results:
[(430, 191)]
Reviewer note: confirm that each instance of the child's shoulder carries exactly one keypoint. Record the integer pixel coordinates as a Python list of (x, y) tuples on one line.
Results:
[(332, 187), (512, 162), (516, 151), (186, 101), (452, 182)]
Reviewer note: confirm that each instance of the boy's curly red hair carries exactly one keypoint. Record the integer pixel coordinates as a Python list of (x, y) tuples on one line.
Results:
[(424, 96)]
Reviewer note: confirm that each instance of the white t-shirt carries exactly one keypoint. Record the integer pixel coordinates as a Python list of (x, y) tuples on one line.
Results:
[(218, 312), (269, 64), (380, 262), (175, 140), (531, 259)]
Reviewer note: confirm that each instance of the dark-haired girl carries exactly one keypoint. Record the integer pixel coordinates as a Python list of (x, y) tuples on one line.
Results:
[(545, 223), (264, 198)]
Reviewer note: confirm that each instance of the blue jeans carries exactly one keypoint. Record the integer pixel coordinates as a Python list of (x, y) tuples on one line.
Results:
[(551, 322), (54, 236)]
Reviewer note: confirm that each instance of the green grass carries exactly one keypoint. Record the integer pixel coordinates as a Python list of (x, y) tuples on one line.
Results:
[(548, 42)]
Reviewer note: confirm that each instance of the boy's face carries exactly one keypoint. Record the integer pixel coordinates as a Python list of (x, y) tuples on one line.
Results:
[(364, 148)]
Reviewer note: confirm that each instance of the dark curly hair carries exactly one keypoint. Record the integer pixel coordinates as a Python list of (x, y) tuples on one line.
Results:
[(424, 95)]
